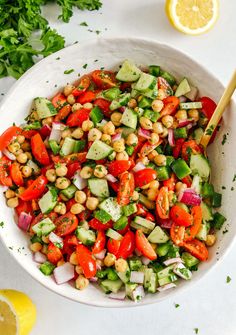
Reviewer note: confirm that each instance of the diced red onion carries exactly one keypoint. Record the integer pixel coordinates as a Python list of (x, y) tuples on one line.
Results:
[(45, 131), (98, 266), (93, 279), (24, 221), (189, 126), (101, 254), (63, 273), (57, 129), (122, 109), (137, 252), (116, 137), (184, 123), (55, 238), (111, 178), (139, 166), (145, 260), (166, 287), (9, 155), (117, 296), (166, 223), (172, 261), (171, 138), (79, 182), (138, 293), (39, 257), (189, 197), (144, 133), (137, 277), (58, 126), (182, 98), (177, 270)]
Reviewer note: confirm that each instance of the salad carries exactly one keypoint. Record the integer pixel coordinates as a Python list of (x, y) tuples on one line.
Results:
[(110, 183)]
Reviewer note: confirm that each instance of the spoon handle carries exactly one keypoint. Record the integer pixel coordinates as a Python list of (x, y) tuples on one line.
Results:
[(225, 99)]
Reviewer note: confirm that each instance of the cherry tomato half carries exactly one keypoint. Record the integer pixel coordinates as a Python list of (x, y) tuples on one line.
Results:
[(66, 224), (8, 135), (162, 203), (144, 177), (86, 261), (127, 245), (180, 216), (143, 245), (197, 249), (118, 167), (35, 190), (39, 150), (126, 188)]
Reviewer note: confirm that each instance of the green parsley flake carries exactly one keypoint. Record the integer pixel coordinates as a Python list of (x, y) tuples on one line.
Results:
[(97, 32), (177, 305), (210, 130), (84, 24), (85, 66), (196, 330), (223, 188), (69, 71), (224, 139), (2, 224), (234, 178), (228, 279), (232, 188)]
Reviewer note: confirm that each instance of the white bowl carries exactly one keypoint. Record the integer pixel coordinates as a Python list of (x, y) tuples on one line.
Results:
[(41, 80)]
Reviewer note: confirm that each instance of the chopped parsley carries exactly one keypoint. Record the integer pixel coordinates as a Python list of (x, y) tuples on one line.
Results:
[(84, 24), (210, 130), (234, 178), (232, 188), (58, 58), (97, 32), (223, 188), (177, 305), (224, 139), (228, 279), (2, 224), (196, 330), (85, 66), (69, 71)]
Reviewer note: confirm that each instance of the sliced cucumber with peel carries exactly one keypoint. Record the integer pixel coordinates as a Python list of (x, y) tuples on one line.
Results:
[(44, 108), (146, 82), (114, 234), (99, 187), (48, 201), (190, 105), (183, 88), (128, 72), (158, 235), (99, 150), (199, 165), (129, 118)]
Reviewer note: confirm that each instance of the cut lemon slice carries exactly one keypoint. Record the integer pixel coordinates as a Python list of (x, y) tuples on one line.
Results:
[(17, 313), (192, 16)]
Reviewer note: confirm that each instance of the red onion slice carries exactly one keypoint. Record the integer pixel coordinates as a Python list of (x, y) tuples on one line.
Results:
[(184, 123), (55, 239), (137, 277), (166, 287), (111, 178), (24, 221), (63, 273), (189, 197), (79, 182), (9, 155), (116, 137), (117, 296), (45, 131), (172, 261), (182, 98), (144, 133), (145, 260), (139, 166), (138, 293), (166, 223), (93, 279), (122, 109), (171, 138), (39, 257), (101, 255)]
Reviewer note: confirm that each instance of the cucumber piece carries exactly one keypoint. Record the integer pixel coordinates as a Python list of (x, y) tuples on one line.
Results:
[(173, 251), (151, 115), (129, 289), (102, 216), (168, 77), (197, 135), (79, 146), (126, 131), (121, 223), (163, 249), (99, 150), (151, 93), (181, 271), (144, 102), (150, 280), (99, 187), (111, 207), (43, 227), (165, 272), (154, 70), (128, 72), (218, 221), (111, 93), (192, 94), (189, 260), (86, 236), (180, 168), (181, 132), (167, 280), (34, 125), (203, 231), (124, 276), (121, 101), (129, 118), (129, 209), (48, 201), (200, 165), (111, 274), (69, 192), (67, 147), (35, 238), (47, 268), (207, 190), (96, 115), (112, 156), (169, 160), (216, 200), (146, 81), (138, 226), (113, 234), (134, 93), (183, 88), (54, 146), (146, 202), (135, 263), (206, 212), (158, 235), (129, 149), (163, 173), (111, 285), (44, 108), (144, 223), (190, 105)]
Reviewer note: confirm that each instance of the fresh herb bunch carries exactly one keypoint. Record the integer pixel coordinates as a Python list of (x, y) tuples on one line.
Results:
[(19, 20)]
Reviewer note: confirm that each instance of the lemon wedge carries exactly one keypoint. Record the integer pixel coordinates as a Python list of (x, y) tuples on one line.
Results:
[(192, 16), (17, 313)]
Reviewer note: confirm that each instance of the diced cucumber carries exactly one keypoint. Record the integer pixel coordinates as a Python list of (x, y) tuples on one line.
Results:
[(180, 132), (129, 149), (192, 94), (144, 102), (69, 192), (197, 135), (145, 230), (124, 276), (203, 231), (173, 251), (128, 72), (33, 125), (189, 260), (99, 187), (122, 100), (167, 280), (111, 207), (129, 289), (190, 105), (96, 115), (102, 216), (163, 173), (183, 88), (200, 165), (99, 150), (150, 280), (48, 201), (114, 234), (47, 268), (207, 190), (151, 93), (181, 271), (129, 118), (216, 200), (165, 272), (87, 237), (135, 263), (218, 221), (129, 209), (146, 81), (180, 168), (43, 227), (111, 274), (151, 115), (168, 77), (44, 108), (206, 212), (79, 146), (111, 285), (111, 93), (54, 146), (144, 222), (67, 147), (158, 235), (134, 93), (126, 131), (146, 202), (154, 70), (163, 249), (121, 223)]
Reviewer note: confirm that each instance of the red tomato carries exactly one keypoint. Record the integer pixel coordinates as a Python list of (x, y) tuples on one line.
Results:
[(180, 216), (85, 215), (170, 183), (196, 212), (5, 164), (77, 118), (118, 167), (69, 204), (162, 203), (126, 188), (98, 225), (113, 246), (104, 79), (114, 186), (35, 190), (66, 224), (59, 100), (187, 180), (70, 242), (150, 217), (72, 168), (86, 261), (63, 113), (100, 242), (8, 135), (197, 249), (177, 234), (104, 105), (144, 246), (190, 147), (141, 210), (16, 174), (24, 206), (127, 245), (125, 86), (83, 85), (144, 177), (54, 254), (78, 157), (29, 133), (170, 105), (39, 150), (85, 97), (208, 106), (177, 148)]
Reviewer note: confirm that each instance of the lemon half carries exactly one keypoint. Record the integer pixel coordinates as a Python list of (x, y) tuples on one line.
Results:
[(17, 313), (192, 16)]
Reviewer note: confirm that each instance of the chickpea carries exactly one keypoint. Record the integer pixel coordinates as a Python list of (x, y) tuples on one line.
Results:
[(210, 240), (157, 105), (135, 196), (109, 128), (76, 107), (115, 118), (92, 203), (152, 155), (152, 193), (87, 125), (77, 209), (109, 260), (193, 114), (119, 145), (99, 263), (122, 156), (45, 239), (84, 224), (81, 282), (80, 197), (27, 171), (132, 103), (94, 134), (35, 247), (145, 123), (88, 105), (167, 121), (13, 202), (132, 139), (62, 183), (144, 160), (86, 172), (79, 270), (121, 265), (66, 133), (61, 170), (13, 147), (77, 133), (61, 262), (161, 94), (106, 138), (154, 138), (179, 187), (25, 146), (158, 128), (73, 258), (181, 114), (60, 208), (51, 175), (29, 156), (47, 121), (154, 184), (20, 139), (165, 132), (71, 99), (68, 89), (160, 160), (9, 194), (100, 171)]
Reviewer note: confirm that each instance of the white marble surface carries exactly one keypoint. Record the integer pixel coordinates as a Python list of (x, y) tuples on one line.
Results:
[(210, 306)]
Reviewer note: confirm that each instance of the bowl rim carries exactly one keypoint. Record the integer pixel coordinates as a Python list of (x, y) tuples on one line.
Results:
[(61, 52)]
